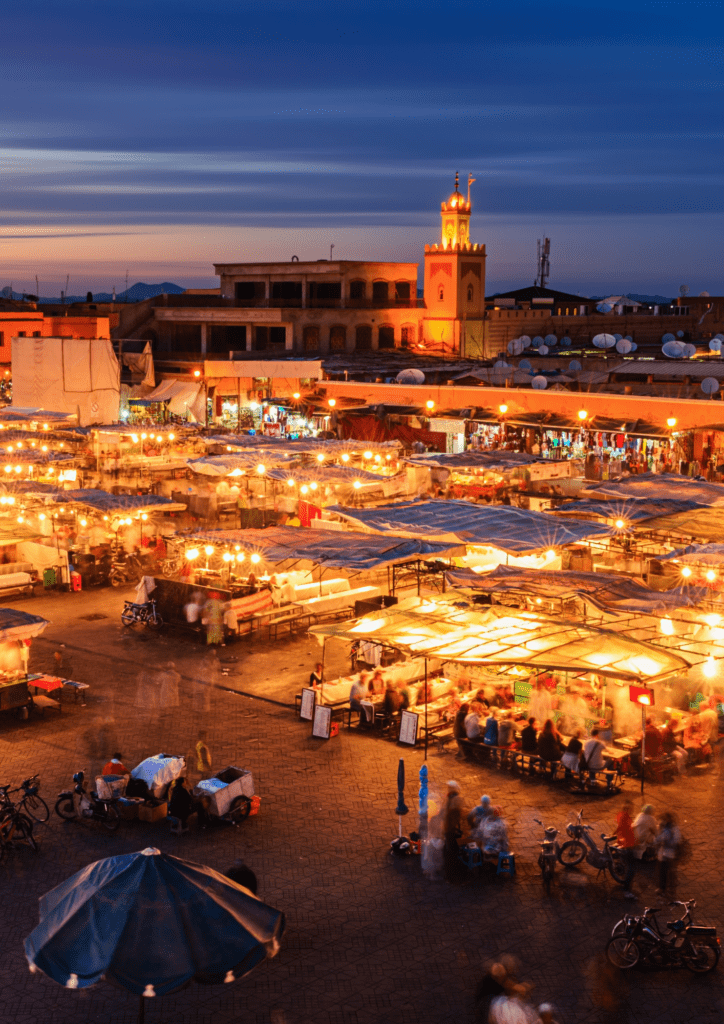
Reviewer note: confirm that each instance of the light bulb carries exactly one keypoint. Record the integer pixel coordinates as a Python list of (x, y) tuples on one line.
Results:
[(502, 409), (227, 557), (686, 571), (290, 482), (345, 457), (332, 402), (261, 469), (134, 438), (255, 558), (192, 553), (620, 524), (41, 517), (711, 575), (430, 404), (84, 522), (368, 455), (304, 489), (582, 414), (320, 457), (171, 437), (313, 486), (296, 395), (209, 549), (241, 557), (671, 422), (356, 485)]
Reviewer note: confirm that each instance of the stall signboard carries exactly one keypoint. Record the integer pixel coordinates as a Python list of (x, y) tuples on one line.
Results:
[(408, 728), (641, 695), (309, 699), (322, 722)]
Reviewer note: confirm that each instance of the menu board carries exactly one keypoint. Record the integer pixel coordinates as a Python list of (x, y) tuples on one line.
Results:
[(309, 699), (408, 728), (322, 722)]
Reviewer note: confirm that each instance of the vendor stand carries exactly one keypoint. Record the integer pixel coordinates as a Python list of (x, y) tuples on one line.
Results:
[(16, 631)]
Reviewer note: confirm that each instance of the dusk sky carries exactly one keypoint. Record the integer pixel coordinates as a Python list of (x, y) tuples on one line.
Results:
[(160, 137)]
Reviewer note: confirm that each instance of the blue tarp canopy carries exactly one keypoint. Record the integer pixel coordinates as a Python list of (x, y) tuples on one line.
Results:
[(696, 554), (629, 510), (504, 527), (659, 485), (496, 461), (607, 591), (17, 625), (151, 920), (336, 549)]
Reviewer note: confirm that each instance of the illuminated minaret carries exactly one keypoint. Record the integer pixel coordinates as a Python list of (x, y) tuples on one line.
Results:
[(455, 282)]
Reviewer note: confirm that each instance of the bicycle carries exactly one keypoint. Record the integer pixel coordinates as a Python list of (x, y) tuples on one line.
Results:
[(13, 823), (610, 858), (639, 938), (32, 803)]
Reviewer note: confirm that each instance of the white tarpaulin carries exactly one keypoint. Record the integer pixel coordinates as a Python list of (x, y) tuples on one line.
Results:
[(74, 375)]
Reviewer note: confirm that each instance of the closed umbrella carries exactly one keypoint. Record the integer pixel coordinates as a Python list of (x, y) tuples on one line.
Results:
[(401, 844), (152, 923)]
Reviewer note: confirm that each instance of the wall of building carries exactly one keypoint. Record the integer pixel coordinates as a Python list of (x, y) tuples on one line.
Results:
[(38, 325)]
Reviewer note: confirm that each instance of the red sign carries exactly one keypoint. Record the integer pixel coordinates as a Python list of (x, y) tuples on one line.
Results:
[(641, 695)]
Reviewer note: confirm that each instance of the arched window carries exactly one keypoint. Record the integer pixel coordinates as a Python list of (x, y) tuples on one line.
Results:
[(380, 292), (357, 291), (386, 337), (440, 294), (407, 335), (470, 293), (337, 338), (311, 338), (363, 338)]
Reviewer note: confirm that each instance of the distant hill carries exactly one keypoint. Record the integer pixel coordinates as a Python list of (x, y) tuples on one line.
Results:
[(136, 293), (655, 300)]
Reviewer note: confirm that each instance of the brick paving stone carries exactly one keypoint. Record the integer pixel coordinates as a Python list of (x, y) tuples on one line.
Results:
[(369, 940)]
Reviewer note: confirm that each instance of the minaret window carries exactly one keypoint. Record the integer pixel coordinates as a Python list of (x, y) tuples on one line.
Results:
[(440, 294), (470, 293)]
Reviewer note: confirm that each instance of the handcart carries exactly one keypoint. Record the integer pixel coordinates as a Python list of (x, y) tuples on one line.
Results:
[(230, 794)]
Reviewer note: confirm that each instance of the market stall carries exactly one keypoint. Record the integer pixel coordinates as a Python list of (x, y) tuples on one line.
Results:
[(16, 632)]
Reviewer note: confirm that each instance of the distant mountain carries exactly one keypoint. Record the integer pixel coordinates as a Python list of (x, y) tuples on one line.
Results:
[(655, 300), (136, 293)]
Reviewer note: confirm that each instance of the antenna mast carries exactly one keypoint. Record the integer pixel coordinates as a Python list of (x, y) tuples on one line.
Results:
[(543, 263)]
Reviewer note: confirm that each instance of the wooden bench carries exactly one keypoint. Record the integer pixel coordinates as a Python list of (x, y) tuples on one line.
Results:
[(603, 782)]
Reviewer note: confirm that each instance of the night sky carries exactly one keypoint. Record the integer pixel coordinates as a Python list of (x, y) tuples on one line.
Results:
[(160, 137)]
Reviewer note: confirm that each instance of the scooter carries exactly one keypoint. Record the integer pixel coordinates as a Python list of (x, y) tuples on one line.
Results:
[(683, 944), (129, 570), (140, 613), (77, 803), (569, 854), (608, 859)]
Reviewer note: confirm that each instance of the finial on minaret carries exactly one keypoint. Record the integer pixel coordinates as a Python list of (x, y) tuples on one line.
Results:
[(471, 179), (457, 180)]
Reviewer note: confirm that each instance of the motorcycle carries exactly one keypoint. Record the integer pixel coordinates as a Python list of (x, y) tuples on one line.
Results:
[(145, 614), (77, 803), (570, 853), (129, 570), (610, 858), (640, 939)]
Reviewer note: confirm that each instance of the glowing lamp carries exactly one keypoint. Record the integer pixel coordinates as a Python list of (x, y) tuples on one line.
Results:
[(671, 422), (44, 448), (320, 457), (158, 437), (345, 457), (237, 548), (378, 458), (304, 489), (45, 426), (134, 438), (667, 627), (313, 486), (296, 396), (18, 469), (709, 668), (388, 457), (367, 455), (290, 482), (209, 549), (643, 698), (105, 519), (356, 485), (261, 469), (197, 373), (686, 571), (227, 557), (620, 524), (61, 509), (582, 414), (11, 501), (20, 519), (429, 404), (144, 436), (256, 558), (538, 600), (550, 554), (502, 409), (41, 517), (240, 557), (711, 575), (84, 522), (8, 469), (144, 516), (332, 402), (192, 553), (172, 437)]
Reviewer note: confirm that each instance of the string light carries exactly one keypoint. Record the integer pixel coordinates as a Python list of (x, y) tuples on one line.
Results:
[(502, 409), (227, 557), (711, 575), (686, 571), (582, 414), (320, 457), (671, 422), (192, 554), (209, 550), (345, 457), (255, 558)]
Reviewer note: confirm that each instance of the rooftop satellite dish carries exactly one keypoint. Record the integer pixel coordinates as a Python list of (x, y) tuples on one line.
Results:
[(515, 347), (526, 340), (703, 295), (618, 336), (539, 339), (539, 383), (550, 340), (536, 343), (667, 337), (410, 377), (501, 365), (715, 345), (604, 341), (684, 290), (674, 349), (634, 346), (710, 385), (679, 334), (566, 342), (689, 350), (525, 364), (574, 366), (624, 346), (543, 350), (628, 337)]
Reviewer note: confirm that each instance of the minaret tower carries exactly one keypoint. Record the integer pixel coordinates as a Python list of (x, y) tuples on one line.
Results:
[(455, 282)]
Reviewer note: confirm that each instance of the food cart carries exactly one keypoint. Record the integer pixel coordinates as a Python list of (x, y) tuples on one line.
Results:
[(17, 628), (229, 793)]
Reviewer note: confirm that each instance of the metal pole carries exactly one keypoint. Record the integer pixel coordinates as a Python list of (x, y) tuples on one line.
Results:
[(426, 703), (643, 747), (321, 685)]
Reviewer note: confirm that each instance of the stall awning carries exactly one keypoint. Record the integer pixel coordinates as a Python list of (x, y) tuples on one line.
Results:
[(14, 413), (17, 625), (329, 475), (696, 554), (608, 592), (334, 549), (496, 461), (102, 501), (307, 446), (504, 527), (659, 485), (454, 630), (627, 510), (238, 463)]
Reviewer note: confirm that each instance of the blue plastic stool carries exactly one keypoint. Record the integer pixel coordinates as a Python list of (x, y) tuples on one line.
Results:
[(471, 856), (506, 864)]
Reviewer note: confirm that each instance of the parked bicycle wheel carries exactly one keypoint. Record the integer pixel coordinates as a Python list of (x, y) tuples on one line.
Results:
[(65, 808), (18, 826), (619, 868), (547, 871), (112, 818), (35, 807), (572, 853), (622, 952), (702, 958), (127, 617)]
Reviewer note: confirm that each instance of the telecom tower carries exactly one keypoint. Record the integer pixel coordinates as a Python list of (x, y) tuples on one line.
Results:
[(543, 263)]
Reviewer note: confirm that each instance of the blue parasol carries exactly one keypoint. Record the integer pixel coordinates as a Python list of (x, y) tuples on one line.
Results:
[(152, 923)]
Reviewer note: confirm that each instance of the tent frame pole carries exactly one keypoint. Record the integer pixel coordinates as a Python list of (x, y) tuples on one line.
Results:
[(427, 701)]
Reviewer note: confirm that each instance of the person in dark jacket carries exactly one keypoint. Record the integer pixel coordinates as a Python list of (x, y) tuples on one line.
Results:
[(529, 738), (182, 805), (459, 727), (549, 742)]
